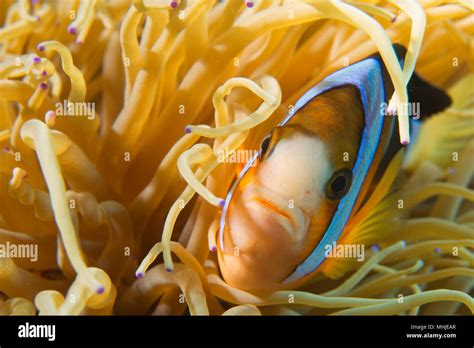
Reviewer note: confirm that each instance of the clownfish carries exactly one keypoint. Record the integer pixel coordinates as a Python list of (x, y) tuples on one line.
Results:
[(296, 196)]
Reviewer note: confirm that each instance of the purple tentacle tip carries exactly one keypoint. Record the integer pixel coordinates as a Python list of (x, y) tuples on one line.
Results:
[(139, 275), (187, 129), (72, 30), (43, 85), (222, 203), (37, 59), (174, 4), (405, 142), (375, 247), (249, 4), (41, 48), (437, 250), (169, 269), (44, 73), (100, 290), (214, 249)]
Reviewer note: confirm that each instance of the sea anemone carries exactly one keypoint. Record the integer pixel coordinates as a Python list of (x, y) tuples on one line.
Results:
[(112, 116)]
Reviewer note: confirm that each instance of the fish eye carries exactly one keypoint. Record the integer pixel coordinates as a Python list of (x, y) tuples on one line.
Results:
[(264, 146), (338, 185)]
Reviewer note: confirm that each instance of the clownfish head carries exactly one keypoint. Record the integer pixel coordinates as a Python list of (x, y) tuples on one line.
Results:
[(283, 205)]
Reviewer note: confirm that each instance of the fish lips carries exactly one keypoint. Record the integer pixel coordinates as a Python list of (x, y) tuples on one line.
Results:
[(269, 212)]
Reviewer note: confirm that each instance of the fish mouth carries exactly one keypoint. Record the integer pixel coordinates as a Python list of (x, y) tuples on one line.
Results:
[(291, 217)]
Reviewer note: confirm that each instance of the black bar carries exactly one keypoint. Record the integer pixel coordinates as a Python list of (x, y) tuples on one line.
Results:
[(136, 331)]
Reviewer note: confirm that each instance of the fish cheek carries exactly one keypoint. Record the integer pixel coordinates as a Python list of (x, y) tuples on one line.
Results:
[(317, 228)]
